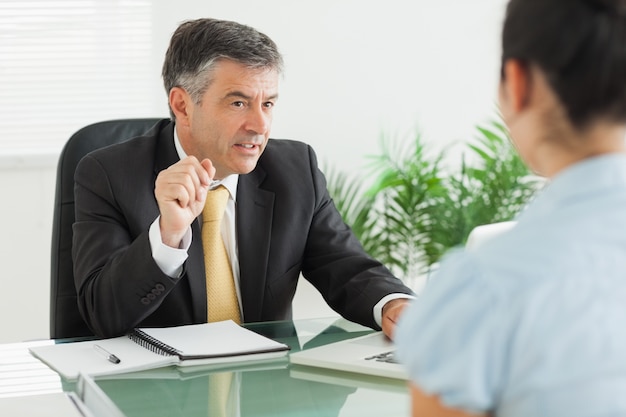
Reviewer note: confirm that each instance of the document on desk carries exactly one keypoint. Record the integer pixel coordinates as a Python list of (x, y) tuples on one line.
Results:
[(371, 354), (150, 348)]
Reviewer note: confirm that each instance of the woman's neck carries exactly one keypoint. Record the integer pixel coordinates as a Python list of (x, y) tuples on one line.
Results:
[(555, 154)]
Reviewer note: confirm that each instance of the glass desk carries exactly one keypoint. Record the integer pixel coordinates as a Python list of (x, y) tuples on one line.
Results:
[(273, 389)]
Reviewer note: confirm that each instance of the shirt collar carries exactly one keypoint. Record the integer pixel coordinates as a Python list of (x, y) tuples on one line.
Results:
[(230, 182), (591, 175)]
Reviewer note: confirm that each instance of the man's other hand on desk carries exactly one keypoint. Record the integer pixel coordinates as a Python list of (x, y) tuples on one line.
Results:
[(391, 314)]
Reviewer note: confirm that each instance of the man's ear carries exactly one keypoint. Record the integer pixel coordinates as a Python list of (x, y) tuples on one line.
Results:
[(180, 103), (516, 83)]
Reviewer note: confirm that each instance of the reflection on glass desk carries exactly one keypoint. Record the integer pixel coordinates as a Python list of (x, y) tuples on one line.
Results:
[(274, 388)]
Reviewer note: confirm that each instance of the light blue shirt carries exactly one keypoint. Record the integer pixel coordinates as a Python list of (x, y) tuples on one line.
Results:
[(533, 322)]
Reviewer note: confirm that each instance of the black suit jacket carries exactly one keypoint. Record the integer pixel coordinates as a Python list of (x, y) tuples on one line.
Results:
[(286, 224)]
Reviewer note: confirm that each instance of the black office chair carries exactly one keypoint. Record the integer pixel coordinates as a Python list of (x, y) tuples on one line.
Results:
[(65, 319)]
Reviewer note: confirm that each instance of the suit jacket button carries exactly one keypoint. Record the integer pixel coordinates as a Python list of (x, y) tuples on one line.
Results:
[(145, 301), (160, 288), (150, 296)]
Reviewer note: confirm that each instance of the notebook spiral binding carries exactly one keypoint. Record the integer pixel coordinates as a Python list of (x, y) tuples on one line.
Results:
[(152, 344)]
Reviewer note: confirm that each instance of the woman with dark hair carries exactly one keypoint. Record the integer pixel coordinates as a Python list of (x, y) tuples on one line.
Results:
[(531, 323)]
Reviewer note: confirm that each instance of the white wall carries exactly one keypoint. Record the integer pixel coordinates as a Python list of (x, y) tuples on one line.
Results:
[(26, 224), (353, 70)]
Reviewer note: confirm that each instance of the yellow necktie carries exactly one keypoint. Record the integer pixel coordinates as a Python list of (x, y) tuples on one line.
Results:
[(220, 285)]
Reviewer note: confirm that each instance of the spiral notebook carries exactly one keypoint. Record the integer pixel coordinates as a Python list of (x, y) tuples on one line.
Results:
[(150, 348)]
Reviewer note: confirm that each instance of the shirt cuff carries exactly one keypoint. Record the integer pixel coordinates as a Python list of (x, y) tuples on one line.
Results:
[(169, 260), (378, 308)]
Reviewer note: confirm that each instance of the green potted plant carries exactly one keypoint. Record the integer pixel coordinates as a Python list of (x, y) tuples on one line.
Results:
[(418, 207)]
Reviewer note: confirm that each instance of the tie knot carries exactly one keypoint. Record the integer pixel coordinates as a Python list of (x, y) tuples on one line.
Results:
[(215, 204)]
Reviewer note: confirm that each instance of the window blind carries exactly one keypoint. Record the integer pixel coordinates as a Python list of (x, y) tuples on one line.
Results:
[(66, 64)]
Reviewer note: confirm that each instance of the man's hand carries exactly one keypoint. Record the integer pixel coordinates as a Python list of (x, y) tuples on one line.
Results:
[(391, 314), (180, 191)]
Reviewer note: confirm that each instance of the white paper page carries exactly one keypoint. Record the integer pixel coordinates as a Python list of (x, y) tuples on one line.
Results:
[(69, 359), (207, 339)]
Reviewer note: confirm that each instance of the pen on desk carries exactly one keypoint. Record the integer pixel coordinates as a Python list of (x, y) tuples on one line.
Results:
[(110, 357)]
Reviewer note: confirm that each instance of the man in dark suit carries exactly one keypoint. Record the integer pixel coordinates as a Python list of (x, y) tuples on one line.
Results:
[(138, 255)]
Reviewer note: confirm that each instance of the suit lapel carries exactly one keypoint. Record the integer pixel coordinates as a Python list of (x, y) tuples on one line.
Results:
[(254, 224)]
